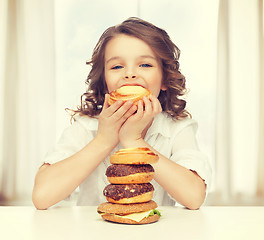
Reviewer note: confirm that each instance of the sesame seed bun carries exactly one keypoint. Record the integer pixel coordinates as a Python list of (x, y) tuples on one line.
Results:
[(133, 178), (114, 208), (134, 156)]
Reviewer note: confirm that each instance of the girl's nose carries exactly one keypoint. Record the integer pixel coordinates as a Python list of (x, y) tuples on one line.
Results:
[(130, 73), (130, 76)]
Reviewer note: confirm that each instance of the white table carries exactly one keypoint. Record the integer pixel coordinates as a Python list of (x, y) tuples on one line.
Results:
[(177, 223)]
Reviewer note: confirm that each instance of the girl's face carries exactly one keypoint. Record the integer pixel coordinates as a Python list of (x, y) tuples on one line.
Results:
[(130, 61)]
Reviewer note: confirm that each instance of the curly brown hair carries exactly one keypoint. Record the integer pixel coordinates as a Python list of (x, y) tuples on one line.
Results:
[(168, 53)]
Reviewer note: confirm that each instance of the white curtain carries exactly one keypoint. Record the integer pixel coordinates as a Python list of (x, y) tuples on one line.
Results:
[(27, 92), (239, 163)]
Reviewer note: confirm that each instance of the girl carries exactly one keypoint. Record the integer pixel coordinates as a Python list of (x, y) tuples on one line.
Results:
[(133, 53)]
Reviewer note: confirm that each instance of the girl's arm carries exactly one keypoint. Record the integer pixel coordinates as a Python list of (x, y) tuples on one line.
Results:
[(184, 185), (55, 182)]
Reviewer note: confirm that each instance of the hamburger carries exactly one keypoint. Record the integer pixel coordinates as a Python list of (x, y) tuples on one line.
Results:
[(126, 93), (134, 156), (129, 173), (137, 213)]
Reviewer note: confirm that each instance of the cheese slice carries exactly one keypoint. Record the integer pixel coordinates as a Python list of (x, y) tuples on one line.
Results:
[(136, 216)]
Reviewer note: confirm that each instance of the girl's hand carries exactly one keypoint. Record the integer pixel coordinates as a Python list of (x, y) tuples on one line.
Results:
[(136, 126), (111, 119)]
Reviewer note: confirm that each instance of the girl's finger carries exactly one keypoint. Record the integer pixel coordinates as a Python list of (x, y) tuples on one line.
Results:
[(109, 110), (120, 112), (155, 105), (148, 105), (140, 109), (129, 113), (106, 105)]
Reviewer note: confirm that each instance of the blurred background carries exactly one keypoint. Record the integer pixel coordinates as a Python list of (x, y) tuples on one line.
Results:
[(44, 45)]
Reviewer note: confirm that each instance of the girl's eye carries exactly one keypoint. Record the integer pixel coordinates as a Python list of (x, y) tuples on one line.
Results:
[(117, 67), (145, 65)]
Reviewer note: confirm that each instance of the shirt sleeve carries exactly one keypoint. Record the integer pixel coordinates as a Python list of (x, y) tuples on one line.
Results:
[(196, 161), (185, 152), (72, 140)]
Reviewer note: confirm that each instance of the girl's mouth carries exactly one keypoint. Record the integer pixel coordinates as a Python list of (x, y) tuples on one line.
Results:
[(132, 84)]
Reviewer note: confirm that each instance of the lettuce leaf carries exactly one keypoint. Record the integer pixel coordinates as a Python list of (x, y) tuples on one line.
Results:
[(153, 212)]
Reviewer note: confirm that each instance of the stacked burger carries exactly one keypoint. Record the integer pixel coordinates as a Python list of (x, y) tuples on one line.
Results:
[(130, 192)]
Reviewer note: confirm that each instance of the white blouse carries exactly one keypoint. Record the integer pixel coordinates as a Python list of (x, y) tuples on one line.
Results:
[(174, 139)]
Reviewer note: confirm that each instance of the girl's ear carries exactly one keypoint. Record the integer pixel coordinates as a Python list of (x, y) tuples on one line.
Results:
[(163, 87)]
